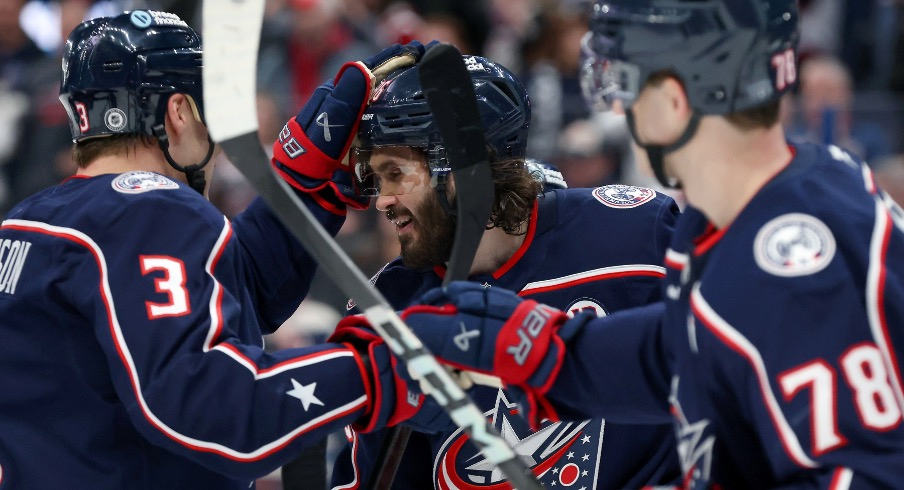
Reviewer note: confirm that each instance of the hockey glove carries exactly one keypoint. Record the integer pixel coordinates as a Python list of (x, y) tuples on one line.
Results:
[(493, 331), (310, 148), (388, 397)]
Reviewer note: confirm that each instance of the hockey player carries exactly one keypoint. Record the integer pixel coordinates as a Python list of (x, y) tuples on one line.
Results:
[(597, 250), (777, 351), (131, 310)]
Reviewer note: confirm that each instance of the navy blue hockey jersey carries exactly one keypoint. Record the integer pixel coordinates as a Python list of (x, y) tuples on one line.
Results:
[(598, 249), (131, 315), (779, 351)]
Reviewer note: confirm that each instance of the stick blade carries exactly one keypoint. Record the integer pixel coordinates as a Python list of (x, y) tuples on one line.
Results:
[(227, 35)]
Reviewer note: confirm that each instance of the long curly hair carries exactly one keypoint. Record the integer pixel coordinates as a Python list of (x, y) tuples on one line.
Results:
[(516, 191)]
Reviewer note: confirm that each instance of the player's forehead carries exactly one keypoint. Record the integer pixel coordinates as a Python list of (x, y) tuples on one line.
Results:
[(401, 156)]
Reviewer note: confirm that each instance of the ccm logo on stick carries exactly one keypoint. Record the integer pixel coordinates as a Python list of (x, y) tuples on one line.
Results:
[(529, 329)]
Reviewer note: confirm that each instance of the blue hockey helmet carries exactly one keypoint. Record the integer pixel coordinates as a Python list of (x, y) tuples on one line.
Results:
[(731, 55), (119, 71), (399, 115)]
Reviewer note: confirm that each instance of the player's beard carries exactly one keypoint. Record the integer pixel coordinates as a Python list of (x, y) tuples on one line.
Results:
[(432, 244)]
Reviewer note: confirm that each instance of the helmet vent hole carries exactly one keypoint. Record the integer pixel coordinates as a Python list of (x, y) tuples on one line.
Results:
[(114, 65), (507, 91)]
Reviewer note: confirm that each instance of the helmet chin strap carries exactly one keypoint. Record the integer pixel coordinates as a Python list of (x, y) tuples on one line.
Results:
[(656, 152), (193, 173), (440, 189)]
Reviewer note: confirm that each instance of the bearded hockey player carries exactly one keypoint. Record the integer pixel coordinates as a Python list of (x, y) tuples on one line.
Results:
[(596, 250)]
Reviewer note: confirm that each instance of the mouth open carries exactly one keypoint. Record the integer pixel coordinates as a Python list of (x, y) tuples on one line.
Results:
[(402, 223)]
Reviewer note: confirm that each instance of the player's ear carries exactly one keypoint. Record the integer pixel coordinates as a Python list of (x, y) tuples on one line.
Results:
[(178, 112), (677, 96)]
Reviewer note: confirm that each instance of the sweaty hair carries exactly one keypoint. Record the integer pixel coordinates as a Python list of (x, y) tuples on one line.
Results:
[(515, 191), (86, 151)]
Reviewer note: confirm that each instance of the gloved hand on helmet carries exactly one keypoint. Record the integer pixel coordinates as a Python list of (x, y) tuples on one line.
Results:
[(310, 148)]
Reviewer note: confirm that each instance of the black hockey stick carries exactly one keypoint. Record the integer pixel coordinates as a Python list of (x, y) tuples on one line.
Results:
[(231, 36), (450, 94), (449, 90)]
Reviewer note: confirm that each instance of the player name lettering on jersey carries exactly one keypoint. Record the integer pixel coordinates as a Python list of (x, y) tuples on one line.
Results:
[(12, 259)]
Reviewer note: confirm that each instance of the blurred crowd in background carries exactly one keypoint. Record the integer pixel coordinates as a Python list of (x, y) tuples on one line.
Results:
[(851, 93)]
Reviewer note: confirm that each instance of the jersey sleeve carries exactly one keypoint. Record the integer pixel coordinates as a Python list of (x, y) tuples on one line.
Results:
[(616, 368), (183, 342), (279, 270)]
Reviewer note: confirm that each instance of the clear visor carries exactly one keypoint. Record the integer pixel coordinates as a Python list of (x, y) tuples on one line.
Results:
[(390, 170), (607, 84)]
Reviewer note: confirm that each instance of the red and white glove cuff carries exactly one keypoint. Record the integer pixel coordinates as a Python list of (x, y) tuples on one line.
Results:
[(524, 342), (294, 150)]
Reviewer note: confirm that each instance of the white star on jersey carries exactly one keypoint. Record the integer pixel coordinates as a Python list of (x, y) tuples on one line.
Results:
[(305, 393)]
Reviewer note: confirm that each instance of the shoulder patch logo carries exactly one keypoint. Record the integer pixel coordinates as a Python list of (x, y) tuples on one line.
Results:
[(623, 196), (794, 244), (140, 181)]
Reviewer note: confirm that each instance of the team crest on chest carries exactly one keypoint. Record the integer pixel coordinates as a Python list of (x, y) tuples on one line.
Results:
[(139, 181), (794, 244), (561, 454), (623, 196)]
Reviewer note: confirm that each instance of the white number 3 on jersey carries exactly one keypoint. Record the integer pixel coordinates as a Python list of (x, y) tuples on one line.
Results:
[(172, 283)]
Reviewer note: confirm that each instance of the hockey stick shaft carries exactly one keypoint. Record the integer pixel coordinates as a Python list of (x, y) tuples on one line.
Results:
[(232, 35)]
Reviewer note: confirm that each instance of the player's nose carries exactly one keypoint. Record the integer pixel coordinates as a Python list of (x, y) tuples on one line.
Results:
[(385, 201)]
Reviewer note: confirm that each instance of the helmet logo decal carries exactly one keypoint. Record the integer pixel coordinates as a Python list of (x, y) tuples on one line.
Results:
[(137, 182), (141, 19), (472, 64), (623, 196), (794, 244), (115, 119)]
